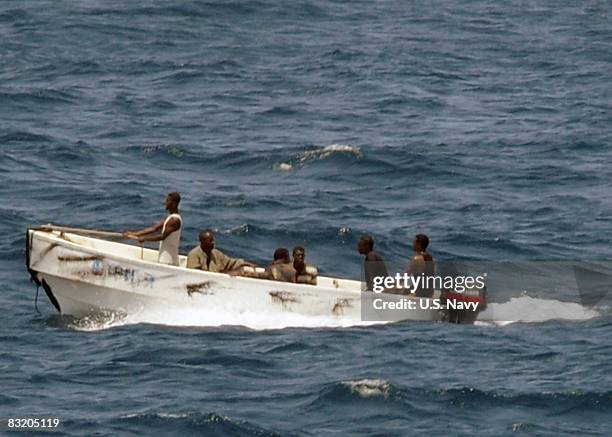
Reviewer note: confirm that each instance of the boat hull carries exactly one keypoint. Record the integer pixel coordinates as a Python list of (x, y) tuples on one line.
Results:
[(84, 276)]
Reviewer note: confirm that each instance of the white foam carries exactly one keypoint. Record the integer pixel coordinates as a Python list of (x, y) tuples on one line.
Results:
[(317, 154), (168, 148), (283, 166), (324, 152), (528, 309), (251, 320), (523, 309), (173, 415), (98, 322), (369, 387), (215, 318)]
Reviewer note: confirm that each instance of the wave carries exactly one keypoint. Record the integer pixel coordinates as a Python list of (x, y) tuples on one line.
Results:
[(190, 11), (246, 158), (318, 154), (24, 137), (165, 149), (382, 390), (180, 77), (191, 422), (9, 400), (39, 96), (351, 392), (466, 396), (327, 151), (15, 15), (280, 111), (367, 388)]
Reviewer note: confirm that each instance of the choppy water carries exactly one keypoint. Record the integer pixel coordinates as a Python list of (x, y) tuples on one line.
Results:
[(486, 125)]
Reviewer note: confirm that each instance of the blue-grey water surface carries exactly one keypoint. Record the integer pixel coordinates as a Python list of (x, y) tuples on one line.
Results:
[(485, 124)]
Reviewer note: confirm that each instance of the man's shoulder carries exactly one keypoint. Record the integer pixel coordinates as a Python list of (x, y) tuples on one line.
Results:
[(311, 269), (373, 256), (280, 271), (216, 252), (195, 251), (276, 266), (287, 266)]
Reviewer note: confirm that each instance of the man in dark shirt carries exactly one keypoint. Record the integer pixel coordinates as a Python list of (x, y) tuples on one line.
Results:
[(373, 264)]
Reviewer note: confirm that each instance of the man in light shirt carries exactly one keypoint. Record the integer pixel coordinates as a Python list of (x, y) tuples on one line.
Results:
[(206, 257)]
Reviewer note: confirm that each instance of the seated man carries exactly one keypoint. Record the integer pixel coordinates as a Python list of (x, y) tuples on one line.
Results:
[(281, 268), (306, 273), (422, 264), (206, 257), (373, 264)]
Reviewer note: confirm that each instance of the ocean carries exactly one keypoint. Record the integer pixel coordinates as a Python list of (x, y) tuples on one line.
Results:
[(486, 125)]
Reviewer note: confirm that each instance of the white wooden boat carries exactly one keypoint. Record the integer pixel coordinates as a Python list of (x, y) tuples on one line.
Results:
[(82, 275)]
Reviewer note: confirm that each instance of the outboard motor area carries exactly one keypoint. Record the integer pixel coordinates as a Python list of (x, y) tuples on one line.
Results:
[(464, 306)]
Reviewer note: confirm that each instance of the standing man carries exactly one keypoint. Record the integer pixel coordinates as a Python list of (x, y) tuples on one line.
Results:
[(422, 264), (167, 232), (373, 264)]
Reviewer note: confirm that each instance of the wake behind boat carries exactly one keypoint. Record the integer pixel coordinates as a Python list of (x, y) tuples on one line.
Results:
[(82, 275)]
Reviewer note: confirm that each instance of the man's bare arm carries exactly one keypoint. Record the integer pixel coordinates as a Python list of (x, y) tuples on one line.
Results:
[(146, 231), (173, 225)]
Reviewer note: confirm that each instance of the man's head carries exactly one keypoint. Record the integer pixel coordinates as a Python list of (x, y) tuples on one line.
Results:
[(365, 244), (207, 240), (299, 253), (282, 254), (172, 201), (420, 243)]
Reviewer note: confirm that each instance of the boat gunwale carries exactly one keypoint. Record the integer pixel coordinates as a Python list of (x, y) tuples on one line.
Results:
[(54, 236)]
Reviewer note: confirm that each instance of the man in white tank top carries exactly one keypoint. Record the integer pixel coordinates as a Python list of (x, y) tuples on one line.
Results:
[(167, 232)]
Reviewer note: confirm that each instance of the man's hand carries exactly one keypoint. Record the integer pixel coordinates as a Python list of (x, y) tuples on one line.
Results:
[(128, 235)]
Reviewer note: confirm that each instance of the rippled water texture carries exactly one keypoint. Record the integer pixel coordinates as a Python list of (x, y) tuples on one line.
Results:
[(484, 124)]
